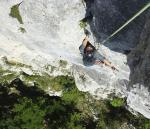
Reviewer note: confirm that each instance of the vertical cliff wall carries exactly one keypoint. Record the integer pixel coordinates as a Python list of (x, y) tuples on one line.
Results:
[(139, 62), (109, 15)]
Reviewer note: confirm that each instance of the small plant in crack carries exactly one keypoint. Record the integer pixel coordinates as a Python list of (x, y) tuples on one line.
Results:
[(82, 24), (22, 30)]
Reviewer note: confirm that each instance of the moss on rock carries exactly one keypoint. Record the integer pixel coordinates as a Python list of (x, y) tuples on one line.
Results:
[(22, 29), (15, 13)]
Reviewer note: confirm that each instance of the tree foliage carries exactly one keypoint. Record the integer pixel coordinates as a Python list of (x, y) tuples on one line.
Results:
[(31, 108)]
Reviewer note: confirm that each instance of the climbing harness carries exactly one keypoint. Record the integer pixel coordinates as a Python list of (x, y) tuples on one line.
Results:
[(124, 25)]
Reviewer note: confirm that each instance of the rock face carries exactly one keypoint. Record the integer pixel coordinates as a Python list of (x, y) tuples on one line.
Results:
[(53, 33), (139, 58), (52, 30), (107, 17), (139, 62)]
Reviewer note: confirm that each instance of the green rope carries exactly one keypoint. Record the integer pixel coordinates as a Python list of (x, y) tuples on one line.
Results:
[(130, 20)]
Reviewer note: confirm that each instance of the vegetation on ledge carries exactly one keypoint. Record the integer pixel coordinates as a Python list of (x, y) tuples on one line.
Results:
[(29, 107), (82, 24), (118, 102)]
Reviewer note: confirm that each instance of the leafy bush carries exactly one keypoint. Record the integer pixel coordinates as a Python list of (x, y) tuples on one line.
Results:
[(62, 83), (147, 124), (82, 24), (29, 115), (15, 13), (32, 108), (118, 102), (72, 96)]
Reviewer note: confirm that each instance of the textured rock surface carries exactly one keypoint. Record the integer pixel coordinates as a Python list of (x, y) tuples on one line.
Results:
[(107, 17), (139, 62), (139, 58), (52, 30), (53, 33)]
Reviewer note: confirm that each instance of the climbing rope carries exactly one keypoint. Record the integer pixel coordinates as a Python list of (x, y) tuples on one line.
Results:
[(125, 24)]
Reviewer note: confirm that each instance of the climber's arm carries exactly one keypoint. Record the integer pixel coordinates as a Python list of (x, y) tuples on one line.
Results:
[(106, 62), (85, 41)]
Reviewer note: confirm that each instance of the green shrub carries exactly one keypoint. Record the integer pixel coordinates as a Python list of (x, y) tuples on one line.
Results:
[(82, 24), (15, 13), (41, 81), (32, 108), (147, 124), (118, 102), (62, 83), (71, 96), (101, 124), (29, 115)]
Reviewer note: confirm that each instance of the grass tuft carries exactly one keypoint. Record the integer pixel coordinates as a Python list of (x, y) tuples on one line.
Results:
[(82, 24)]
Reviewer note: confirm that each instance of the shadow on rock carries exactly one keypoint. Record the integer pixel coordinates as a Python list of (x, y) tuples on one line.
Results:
[(105, 17), (139, 58)]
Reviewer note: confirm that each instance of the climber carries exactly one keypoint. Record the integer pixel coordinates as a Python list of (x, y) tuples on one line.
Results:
[(91, 55)]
